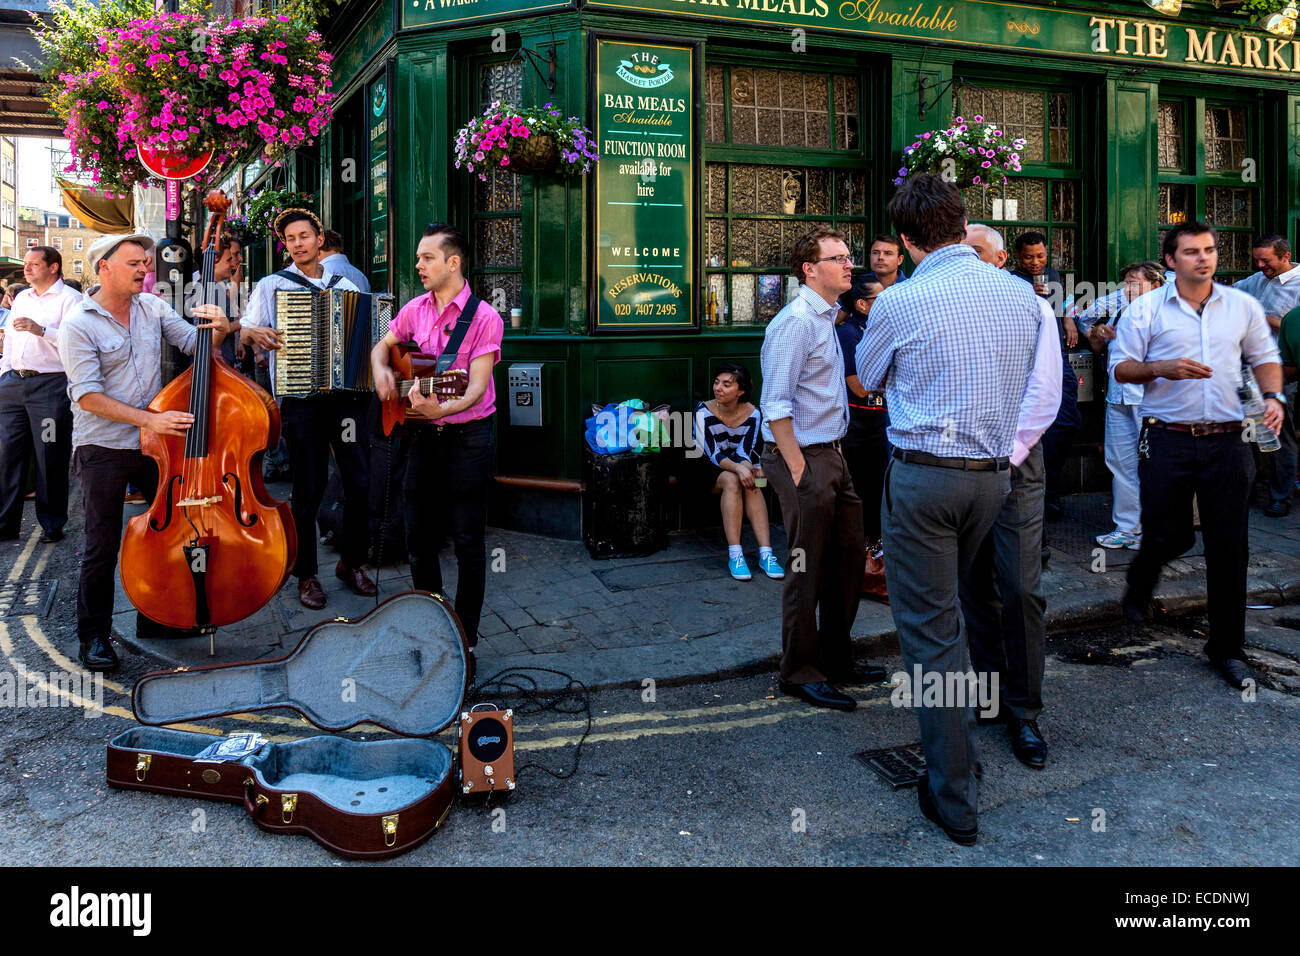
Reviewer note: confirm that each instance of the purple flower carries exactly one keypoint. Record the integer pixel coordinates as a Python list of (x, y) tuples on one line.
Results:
[(976, 179), (925, 136), (903, 171), (979, 119), (985, 165)]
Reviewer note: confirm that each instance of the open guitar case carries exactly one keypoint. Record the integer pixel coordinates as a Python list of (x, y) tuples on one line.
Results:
[(403, 666)]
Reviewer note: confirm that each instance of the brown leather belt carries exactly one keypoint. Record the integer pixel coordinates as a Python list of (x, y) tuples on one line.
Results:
[(1196, 429), (965, 464)]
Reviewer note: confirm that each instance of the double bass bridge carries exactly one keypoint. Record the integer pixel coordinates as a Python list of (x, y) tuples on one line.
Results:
[(198, 502)]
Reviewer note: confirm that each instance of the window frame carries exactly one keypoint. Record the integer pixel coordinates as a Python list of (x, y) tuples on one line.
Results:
[(728, 154), (1054, 172)]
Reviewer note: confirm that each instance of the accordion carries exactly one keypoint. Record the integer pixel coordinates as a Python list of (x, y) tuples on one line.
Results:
[(328, 336)]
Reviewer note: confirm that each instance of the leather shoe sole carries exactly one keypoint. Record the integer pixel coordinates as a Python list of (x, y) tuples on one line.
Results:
[(931, 813), (310, 594), (1234, 671), (51, 537), (820, 694)]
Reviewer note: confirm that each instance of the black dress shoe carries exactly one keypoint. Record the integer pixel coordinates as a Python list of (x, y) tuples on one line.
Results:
[(1278, 509), (50, 537), (97, 654), (931, 812), (865, 674), (1135, 612), (1234, 671), (820, 694), (1028, 744)]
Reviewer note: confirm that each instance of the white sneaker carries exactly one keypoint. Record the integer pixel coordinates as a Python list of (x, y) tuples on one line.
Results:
[(1120, 539)]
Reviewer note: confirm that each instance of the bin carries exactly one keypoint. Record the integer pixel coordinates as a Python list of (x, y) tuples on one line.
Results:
[(623, 508)]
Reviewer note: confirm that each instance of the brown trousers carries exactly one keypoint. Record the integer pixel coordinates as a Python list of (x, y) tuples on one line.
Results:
[(823, 527)]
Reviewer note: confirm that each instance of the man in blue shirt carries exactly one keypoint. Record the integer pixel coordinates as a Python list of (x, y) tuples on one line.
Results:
[(954, 346)]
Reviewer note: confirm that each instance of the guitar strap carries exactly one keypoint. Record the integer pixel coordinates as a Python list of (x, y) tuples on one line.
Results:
[(452, 348)]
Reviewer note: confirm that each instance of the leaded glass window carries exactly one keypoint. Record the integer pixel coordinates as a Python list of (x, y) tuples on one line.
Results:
[(1201, 177), (754, 213), (810, 172), (788, 109), (496, 233), (1171, 135), (1030, 201), (1031, 204), (1225, 138)]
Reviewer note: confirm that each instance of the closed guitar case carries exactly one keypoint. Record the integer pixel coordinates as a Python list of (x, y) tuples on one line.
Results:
[(403, 667)]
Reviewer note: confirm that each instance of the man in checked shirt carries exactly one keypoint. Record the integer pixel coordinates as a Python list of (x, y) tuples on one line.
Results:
[(954, 345), (805, 414)]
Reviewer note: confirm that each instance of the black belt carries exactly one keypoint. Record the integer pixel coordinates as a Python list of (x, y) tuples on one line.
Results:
[(965, 464), (1196, 429), (29, 373), (821, 444)]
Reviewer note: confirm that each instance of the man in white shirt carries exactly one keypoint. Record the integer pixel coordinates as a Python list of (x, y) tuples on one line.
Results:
[(334, 261), (1277, 287), (316, 424), (35, 413), (1186, 343), (1002, 595)]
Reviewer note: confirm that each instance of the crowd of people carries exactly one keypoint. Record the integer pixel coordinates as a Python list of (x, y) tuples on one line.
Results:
[(929, 419), (916, 420)]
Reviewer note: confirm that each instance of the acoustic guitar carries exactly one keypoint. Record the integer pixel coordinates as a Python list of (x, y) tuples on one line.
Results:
[(414, 369)]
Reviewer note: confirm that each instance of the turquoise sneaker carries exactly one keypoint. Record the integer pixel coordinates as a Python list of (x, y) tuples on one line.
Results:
[(739, 569), (769, 566)]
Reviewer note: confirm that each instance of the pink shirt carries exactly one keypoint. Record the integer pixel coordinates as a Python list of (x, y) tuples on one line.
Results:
[(420, 321), (27, 350)]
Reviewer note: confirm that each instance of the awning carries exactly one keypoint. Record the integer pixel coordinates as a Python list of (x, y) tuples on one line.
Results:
[(109, 216)]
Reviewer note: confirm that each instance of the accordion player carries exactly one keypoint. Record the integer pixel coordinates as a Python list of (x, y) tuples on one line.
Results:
[(328, 336)]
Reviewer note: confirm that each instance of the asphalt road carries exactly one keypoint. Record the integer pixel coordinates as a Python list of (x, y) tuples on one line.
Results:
[(1144, 738)]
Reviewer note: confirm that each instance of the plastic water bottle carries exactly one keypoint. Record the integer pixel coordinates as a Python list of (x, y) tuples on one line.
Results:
[(1252, 409)]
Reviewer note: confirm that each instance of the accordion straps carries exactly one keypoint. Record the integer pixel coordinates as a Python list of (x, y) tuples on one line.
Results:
[(305, 282), (452, 348)]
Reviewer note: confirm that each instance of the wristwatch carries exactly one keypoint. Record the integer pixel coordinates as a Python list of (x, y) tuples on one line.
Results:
[(1277, 397)]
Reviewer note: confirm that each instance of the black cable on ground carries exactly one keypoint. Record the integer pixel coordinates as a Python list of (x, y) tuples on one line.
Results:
[(574, 698)]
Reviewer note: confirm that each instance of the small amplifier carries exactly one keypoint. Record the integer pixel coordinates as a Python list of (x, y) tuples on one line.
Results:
[(485, 745)]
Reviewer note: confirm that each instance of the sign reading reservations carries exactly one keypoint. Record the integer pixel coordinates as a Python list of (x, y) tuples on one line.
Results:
[(645, 182)]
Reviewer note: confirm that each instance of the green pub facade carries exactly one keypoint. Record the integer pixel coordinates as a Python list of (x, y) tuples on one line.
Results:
[(728, 127)]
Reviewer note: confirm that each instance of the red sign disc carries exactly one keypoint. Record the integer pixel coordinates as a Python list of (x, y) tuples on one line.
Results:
[(166, 164)]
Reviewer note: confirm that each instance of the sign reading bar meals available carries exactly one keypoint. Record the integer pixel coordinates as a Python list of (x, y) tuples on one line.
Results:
[(645, 182)]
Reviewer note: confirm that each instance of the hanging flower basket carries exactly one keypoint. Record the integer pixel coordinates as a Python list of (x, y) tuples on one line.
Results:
[(534, 139), (536, 154), (966, 154), (125, 78)]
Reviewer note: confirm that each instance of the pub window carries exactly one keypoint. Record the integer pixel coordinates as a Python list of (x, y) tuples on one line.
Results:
[(1200, 177), (794, 137), (496, 216), (1045, 196)]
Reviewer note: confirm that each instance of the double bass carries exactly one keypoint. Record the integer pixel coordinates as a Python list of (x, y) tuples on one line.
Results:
[(214, 546)]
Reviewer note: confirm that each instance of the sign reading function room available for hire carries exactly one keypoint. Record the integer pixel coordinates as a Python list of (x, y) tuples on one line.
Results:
[(644, 185)]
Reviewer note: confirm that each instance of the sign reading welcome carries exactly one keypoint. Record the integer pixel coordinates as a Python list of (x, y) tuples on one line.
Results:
[(645, 182), (1007, 26)]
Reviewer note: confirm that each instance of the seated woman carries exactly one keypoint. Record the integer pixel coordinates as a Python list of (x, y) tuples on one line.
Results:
[(727, 429)]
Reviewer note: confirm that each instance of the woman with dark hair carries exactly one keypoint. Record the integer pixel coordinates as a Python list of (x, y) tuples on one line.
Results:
[(727, 430)]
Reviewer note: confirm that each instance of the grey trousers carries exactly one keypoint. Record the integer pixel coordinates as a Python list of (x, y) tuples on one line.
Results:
[(1002, 596), (935, 520)]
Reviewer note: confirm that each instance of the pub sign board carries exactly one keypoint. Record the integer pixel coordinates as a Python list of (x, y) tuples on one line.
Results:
[(644, 260)]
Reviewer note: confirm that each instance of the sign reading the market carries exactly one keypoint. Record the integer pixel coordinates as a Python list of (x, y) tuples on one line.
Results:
[(1006, 26), (427, 13), (645, 182)]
